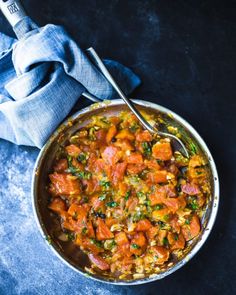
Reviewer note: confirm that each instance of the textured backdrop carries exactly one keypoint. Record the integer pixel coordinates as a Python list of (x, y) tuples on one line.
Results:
[(185, 54)]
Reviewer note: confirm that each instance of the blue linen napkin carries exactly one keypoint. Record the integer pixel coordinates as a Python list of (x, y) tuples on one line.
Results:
[(42, 75)]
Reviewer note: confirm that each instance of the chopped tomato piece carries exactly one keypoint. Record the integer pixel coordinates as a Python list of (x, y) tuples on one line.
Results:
[(162, 150), (90, 231), (190, 189), (124, 144), (152, 164), (161, 214), (88, 244), (96, 203), (61, 165), (135, 168), (168, 189), (152, 232), (103, 232), (157, 198), (159, 176), (125, 134), (131, 203), (192, 229), (57, 205), (176, 241), (121, 238), (64, 184), (77, 210), (161, 236), (144, 136), (175, 224), (160, 253), (123, 188), (196, 161), (111, 155), (73, 150), (77, 164), (143, 225), (124, 249), (99, 261), (118, 172), (174, 204), (69, 224), (110, 221), (111, 133), (138, 244), (100, 137), (135, 158)]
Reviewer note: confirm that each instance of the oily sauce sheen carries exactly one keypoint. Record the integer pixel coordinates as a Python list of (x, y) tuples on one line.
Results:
[(125, 198)]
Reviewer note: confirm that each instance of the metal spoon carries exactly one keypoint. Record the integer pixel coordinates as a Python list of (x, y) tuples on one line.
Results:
[(99, 63)]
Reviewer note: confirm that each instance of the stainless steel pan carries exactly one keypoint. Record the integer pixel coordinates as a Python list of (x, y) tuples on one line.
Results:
[(49, 228)]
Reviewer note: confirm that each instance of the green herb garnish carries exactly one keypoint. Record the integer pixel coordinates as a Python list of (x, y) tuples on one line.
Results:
[(166, 217), (112, 204), (158, 207), (84, 174), (176, 237), (82, 158), (102, 197), (97, 243), (84, 230), (147, 150), (161, 224), (135, 246), (193, 148), (165, 241), (105, 184), (70, 236), (127, 195), (134, 127), (187, 221)]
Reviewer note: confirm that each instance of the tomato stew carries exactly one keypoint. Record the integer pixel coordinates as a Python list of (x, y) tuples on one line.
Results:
[(126, 198)]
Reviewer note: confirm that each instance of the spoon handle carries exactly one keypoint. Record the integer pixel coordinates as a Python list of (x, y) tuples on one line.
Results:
[(99, 63), (13, 11)]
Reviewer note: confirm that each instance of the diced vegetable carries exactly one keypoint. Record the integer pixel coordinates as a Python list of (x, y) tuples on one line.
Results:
[(73, 150), (192, 229), (64, 184), (125, 198), (103, 232), (143, 225), (162, 150), (99, 261)]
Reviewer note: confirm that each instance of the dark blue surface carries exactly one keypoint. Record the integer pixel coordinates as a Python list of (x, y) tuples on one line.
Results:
[(185, 53)]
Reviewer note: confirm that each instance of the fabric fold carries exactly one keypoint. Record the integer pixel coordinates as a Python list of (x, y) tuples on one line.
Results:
[(42, 75)]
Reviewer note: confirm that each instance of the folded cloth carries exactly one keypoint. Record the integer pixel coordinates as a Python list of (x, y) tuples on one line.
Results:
[(42, 75)]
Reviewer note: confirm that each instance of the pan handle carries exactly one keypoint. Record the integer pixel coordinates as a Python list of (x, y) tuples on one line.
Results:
[(13, 11)]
